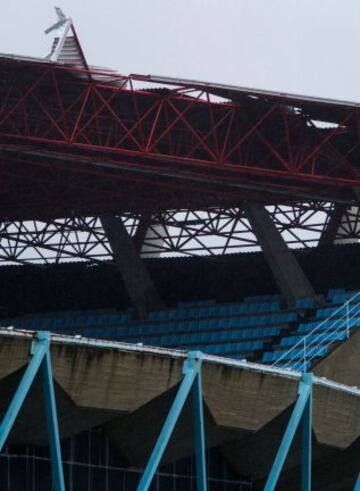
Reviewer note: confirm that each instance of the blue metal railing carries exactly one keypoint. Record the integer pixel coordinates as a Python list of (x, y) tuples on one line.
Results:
[(333, 328)]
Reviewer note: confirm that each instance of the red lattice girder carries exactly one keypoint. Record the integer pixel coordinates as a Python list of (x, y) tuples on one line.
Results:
[(123, 146)]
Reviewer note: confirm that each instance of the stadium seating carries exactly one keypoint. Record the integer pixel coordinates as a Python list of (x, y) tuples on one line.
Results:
[(239, 330), (258, 329), (310, 341)]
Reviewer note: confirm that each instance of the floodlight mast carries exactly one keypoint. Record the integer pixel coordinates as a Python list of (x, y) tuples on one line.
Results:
[(63, 21)]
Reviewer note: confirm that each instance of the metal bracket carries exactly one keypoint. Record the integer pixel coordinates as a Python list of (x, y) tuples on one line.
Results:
[(40, 360), (191, 383)]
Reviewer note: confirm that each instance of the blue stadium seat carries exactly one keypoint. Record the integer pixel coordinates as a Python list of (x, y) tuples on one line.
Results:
[(305, 303), (235, 330), (295, 354)]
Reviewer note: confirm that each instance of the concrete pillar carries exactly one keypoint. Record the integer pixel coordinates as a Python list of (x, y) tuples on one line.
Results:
[(138, 282), (342, 218), (290, 278), (329, 232), (141, 230)]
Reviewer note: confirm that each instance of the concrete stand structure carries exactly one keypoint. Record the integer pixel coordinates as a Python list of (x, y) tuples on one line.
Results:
[(138, 394)]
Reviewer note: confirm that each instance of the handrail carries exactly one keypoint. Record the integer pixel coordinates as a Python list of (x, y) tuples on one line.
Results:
[(308, 343)]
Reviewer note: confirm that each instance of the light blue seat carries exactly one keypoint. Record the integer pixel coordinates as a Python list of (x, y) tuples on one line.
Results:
[(344, 297), (335, 291), (305, 303), (295, 354), (316, 338)]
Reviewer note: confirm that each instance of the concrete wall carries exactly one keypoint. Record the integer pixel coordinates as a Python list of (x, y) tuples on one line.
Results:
[(128, 390)]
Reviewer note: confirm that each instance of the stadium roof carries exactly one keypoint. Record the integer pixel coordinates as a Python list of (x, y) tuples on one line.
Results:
[(319, 108)]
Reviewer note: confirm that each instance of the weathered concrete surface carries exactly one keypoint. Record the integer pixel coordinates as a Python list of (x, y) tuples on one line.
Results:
[(131, 387), (343, 364), (333, 470), (243, 398), (136, 433), (31, 428), (254, 453), (111, 379), (336, 417), (14, 354)]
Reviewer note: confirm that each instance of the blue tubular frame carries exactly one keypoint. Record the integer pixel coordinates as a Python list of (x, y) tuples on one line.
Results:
[(40, 352), (190, 383), (357, 484), (301, 414)]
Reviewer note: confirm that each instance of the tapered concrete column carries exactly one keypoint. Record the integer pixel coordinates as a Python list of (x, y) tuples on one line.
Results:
[(330, 230), (138, 282), (340, 220), (290, 278), (141, 230)]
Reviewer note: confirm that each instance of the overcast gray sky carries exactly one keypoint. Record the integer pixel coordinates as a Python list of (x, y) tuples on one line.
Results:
[(304, 46)]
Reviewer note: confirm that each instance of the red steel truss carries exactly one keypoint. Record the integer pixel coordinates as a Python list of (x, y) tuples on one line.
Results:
[(175, 159), (171, 233), (80, 143)]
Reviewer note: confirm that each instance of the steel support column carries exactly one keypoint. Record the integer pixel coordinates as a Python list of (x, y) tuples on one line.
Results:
[(138, 282), (40, 352), (301, 414), (190, 383), (289, 276)]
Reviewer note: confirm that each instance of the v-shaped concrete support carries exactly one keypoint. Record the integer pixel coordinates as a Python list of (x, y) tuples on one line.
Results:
[(190, 382), (40, 361)]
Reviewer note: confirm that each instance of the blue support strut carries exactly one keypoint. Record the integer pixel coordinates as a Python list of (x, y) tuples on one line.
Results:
[(301, 412), (357, 485), (191, 380), (306, 422), (199, 434), (40, 351), (52, 422)]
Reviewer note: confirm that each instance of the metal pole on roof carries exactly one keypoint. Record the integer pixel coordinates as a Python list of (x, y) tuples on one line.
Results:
[(63, 21)]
